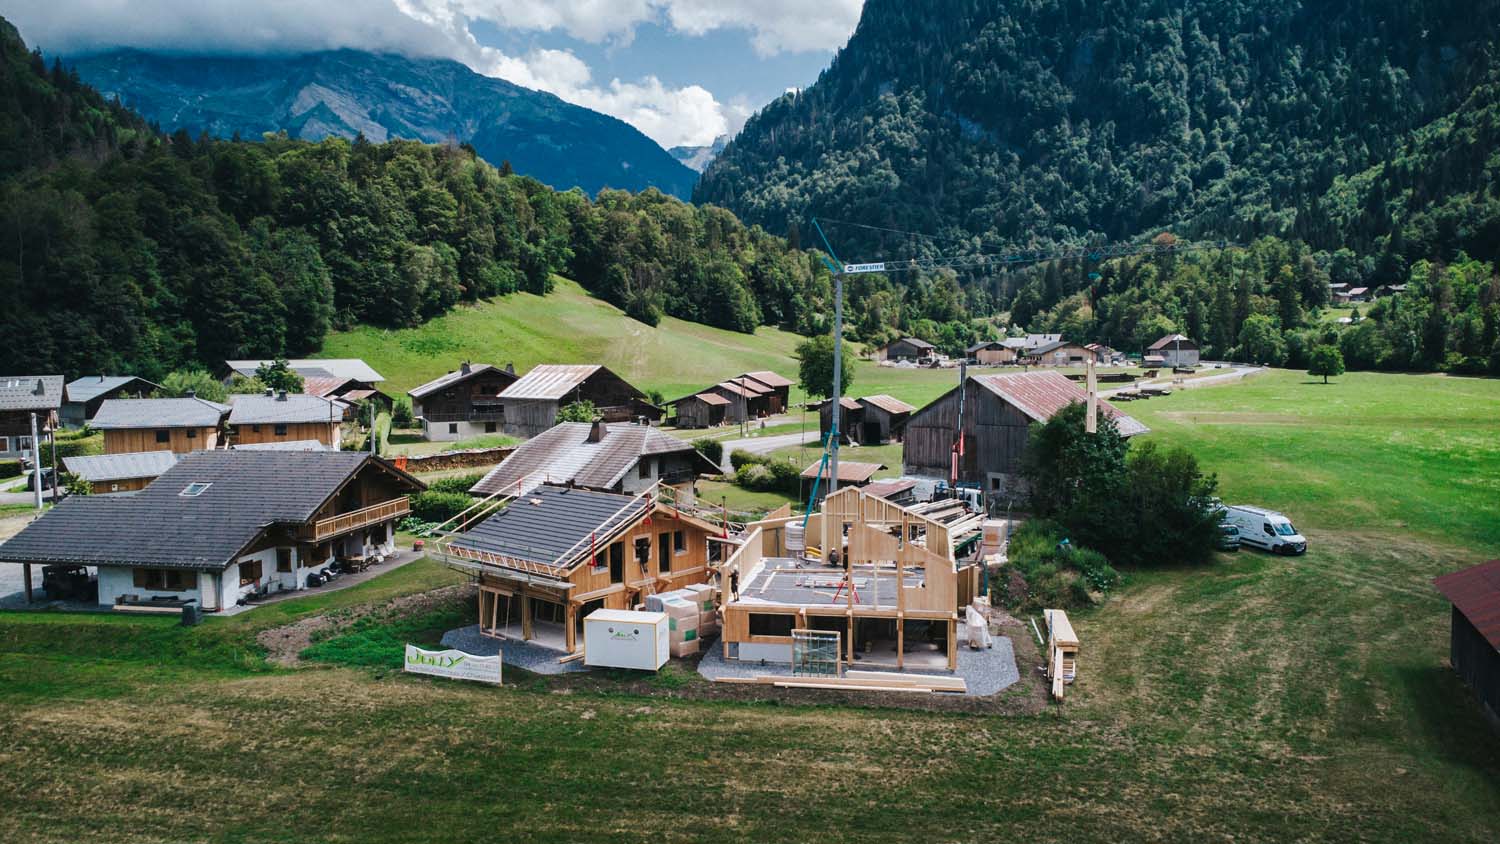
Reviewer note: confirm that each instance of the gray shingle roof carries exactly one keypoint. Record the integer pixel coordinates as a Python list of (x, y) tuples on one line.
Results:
[(20, 392), (562, 454), (119, 467), (293, 408), (321, 368), (158, 526), (548, 521), (90, 387), (124, 414)]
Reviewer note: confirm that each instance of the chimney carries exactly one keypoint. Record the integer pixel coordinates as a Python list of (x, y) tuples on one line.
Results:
[(597, 431), (270, 392), (281, 396), (464, 367), (511, 368), (190, 393), (41, 389)]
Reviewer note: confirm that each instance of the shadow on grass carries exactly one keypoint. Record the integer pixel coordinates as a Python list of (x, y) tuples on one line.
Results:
[(1452, 719)]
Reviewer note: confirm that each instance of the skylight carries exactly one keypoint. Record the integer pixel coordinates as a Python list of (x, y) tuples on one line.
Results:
[(195, 489)]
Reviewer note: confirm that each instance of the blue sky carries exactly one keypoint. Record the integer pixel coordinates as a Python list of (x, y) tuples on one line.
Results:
[(681, 71)]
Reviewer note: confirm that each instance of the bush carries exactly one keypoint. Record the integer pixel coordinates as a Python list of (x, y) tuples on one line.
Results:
[(459, 484), (10, 468), (761, 475), (1039, 575), (739, 459), (578, 411), (401, 416), (710, 448), (203, 385), (431, 506)]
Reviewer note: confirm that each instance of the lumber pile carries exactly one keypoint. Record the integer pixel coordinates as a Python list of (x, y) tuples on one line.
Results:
[(868, 681)]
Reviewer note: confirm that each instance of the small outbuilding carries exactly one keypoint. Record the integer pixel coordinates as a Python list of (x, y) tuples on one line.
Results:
[(114, 473), (1474, 640), (869, 420), (530, 405), (851, 473), (991, 353)]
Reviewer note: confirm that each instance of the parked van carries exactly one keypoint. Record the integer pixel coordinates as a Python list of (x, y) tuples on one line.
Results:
[(1268, 529)]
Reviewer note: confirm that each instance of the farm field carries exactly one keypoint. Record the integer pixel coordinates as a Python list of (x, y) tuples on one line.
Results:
[(1260, 698)]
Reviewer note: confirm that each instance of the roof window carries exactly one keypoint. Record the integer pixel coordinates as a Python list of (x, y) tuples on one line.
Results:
[(195, 489)]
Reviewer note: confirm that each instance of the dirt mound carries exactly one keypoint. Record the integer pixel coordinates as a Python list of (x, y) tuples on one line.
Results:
[(284, 643)]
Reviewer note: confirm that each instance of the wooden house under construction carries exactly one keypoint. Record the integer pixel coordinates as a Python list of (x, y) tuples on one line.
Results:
[(884, 578)]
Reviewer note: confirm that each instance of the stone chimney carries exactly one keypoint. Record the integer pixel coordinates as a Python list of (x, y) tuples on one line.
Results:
[(597, 431), (464, 367)]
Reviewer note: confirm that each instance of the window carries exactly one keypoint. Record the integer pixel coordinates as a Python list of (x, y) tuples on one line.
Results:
[(281, 430), (192, 433), (679, 542), (489, 427), (643, 551), (452, 427), (617, 562), (664, 559), (250, 572), (165, 580), (114, 487), (254, 429), (283, 559), (1267, 528), (4, 443), (645, 467), (771, 624), (163, 435), (195, 489)]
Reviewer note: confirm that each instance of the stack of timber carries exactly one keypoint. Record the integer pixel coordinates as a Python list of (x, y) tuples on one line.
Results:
[(867, 681)]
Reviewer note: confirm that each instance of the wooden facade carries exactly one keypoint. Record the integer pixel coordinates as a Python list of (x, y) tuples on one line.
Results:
[(120, 485), (614, 399), (907, 348), (326, 433), (993, 353), (995, 436), (1066, 354), (700, 411), (178, 440), (474, 396)]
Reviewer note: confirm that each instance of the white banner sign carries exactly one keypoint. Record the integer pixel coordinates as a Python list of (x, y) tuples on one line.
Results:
[(864, 268), (455, 665)]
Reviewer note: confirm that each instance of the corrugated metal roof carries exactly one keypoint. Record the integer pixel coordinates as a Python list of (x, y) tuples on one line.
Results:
[(340, 367), (455, 377), (749, 389), (711, 398), (126, 414), (550, 381), (120, 467), (90, 387), (1039, 395), (318, 385), (769, 378), (1476, 593), (850, 471), (550, 520), (885, 489), (889, 404), (1170, 340), (562, 454), (288, 409), (31, 392)]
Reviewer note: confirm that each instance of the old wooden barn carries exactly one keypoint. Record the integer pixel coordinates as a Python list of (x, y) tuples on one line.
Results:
[(531, 404), (1474, 640), (998, 411), (868, 420)]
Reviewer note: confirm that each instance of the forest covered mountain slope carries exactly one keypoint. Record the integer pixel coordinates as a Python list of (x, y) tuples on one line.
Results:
[(1023, 123), (345, 93)]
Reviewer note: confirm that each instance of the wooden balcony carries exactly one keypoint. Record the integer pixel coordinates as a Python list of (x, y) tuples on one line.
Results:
[(355, 519), (476, 415)]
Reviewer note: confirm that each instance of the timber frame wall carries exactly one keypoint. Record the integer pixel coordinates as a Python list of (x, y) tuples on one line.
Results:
[(880, 534)]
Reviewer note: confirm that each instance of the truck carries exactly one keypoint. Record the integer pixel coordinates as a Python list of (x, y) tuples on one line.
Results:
[(1265, 529)]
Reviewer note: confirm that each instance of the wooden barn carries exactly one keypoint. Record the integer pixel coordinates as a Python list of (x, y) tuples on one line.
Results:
[(463, 403), (998, 413), (21, 396), (778, 389), (1174, 350), (83, 397), (869, 420), (1058, 353), (531, 404), (700, 410), (1474, 641), (180, 425), (750, 395), (907, 349)]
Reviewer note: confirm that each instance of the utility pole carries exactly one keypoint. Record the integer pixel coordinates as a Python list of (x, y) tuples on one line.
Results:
[(1091, 422), (838, 382), (372, 427), (36, 466)]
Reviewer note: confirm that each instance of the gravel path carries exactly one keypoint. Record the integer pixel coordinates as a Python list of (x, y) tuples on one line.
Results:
[(525, 655)]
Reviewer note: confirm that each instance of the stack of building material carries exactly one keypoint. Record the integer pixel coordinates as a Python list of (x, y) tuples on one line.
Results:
[(682, 621), (708, 618)]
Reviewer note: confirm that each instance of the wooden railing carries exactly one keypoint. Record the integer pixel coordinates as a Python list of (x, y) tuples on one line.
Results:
[(344, 522), (469, 416)]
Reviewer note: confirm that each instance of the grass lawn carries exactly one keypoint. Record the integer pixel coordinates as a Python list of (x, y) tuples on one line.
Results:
[(1257, 699), (741, 500), (406, 443)]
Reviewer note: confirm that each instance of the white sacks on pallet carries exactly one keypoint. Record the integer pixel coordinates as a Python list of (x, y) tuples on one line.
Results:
[(979, 629)]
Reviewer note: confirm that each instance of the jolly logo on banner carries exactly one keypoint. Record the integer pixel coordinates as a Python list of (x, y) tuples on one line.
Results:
[(455, 665)]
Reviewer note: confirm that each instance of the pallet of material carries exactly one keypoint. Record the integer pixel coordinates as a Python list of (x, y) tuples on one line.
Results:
[(872, 680), (850, 687), (934, 681)]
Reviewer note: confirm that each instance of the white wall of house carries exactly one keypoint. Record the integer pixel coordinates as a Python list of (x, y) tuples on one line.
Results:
[(443, 432), (115, 581)]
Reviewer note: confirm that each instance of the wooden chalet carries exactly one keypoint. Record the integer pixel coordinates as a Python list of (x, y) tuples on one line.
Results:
[(180, 425), (20, 397), (531, 404), (991, 353), (83, 397), (463, 403), (892, 592), (998, 413), (1174, 350), (553, 555), (1474, 637), (114, 473), (284, 418), (220, 527), (868, 420), (906, 349)]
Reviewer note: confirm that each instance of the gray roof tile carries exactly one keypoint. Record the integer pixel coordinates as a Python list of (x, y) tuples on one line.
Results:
[(90, 387), (562, 454), (21, 392), (119, 467), (549, 521), (292, 408), (125, 414)]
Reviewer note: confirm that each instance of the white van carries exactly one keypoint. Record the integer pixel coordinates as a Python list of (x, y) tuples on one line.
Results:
[(1266, 529)]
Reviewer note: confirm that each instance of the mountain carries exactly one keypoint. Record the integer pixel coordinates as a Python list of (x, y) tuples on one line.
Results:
[(698, 158), (346, 92), (1028, 122)]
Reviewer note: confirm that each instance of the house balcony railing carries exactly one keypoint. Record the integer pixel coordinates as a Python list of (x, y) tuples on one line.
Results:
[(471, 416), (354, 520)]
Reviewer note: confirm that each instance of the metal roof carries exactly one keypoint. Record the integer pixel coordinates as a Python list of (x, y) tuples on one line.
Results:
[(1039, 395), (914, 341), (125, 414), (769, 378), (246, 492), (307, 367), (550, 381), (455, 377), (749, 389), (985, 344), (1172, 340), (120, 467), (562, 454), (551, 521), (323, 385), (283, 408), (887, 488), (31, 392), (889, 404), (850, 471), (90, 387), (1475, 592), (708, 398)]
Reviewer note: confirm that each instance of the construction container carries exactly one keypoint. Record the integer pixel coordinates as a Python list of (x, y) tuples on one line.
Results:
[(626, 639)]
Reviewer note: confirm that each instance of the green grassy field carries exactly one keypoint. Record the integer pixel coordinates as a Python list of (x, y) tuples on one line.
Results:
[(1256, 699)]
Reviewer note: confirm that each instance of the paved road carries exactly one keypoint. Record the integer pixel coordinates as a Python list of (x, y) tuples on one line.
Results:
[(1236, 373), (765, 445)]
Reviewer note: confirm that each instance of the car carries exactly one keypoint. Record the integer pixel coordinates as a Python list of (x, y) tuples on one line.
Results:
[(46, 479), (1228, 538)]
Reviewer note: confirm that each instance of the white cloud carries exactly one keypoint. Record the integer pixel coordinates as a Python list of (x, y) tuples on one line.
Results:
[(671, 116)]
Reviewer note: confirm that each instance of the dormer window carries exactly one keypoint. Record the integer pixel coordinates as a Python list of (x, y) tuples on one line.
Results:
[(195, 489)]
